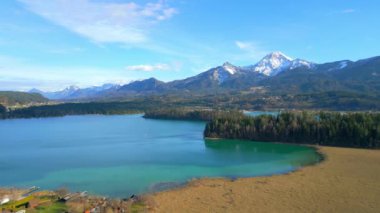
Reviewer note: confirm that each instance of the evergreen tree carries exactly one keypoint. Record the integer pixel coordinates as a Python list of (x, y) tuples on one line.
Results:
[(3, 111), (323, 128)]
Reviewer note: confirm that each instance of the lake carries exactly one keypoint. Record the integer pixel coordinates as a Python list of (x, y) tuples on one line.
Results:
[(258, 113), (119, 156)]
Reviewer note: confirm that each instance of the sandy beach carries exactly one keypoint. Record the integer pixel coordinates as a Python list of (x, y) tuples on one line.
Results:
[(346, 181)]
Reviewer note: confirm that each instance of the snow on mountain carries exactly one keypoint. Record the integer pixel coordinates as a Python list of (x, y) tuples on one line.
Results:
[(61, 94), (71, 89), (338, 65), (301, 63), (230, 68), (343, 64), (272, 64), (277, 62), (102, 87), (72, 92), (222, 73), (220, 76)]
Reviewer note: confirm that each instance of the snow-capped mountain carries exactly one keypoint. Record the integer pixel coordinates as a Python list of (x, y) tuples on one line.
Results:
[(70, 89), (74, 92), (222, 73), (102, 87), (272, 64), (210, 78), (277, 62), (232, 69), (62, 94), (296, 63), (273, 74), (340, 65), (231, 76)]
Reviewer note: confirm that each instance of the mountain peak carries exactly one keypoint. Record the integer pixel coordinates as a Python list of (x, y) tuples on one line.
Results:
[(227, 64), (229, 68), (72, 88), (152, 79), (277, 62), (272, 64), (278, 55)]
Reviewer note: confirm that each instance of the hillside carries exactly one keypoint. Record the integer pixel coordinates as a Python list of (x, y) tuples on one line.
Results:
[(10, 98)]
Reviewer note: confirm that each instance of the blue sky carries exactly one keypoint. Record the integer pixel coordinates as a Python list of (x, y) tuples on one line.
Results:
[(51, 44)]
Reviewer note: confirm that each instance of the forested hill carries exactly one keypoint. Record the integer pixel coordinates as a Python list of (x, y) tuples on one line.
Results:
[(190, 115), (10, 98), (57, 110), (317, 128)]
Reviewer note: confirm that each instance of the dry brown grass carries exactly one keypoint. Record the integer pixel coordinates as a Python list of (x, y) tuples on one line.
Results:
[(347, 181)]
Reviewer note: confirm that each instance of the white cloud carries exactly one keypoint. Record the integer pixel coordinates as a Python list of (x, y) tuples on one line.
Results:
[(103, 22), (244, 45), (251, 49), (149, 67)]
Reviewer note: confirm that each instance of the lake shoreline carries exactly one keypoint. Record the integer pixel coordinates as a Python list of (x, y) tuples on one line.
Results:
[(144, 200), (333, 185), (309, 188)]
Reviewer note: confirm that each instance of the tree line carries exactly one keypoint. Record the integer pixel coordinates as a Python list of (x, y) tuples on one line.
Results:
[(105, 108), (319, 128), (359, 129), (3, 111), (189, 114)]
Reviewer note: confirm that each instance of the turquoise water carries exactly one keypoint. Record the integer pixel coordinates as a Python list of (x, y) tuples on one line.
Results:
[(122, 155), (258, 113)]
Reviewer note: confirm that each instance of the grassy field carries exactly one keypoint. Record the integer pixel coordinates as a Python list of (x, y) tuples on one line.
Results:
[(347, 181)]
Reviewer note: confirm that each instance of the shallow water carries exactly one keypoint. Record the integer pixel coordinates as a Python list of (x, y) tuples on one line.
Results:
[(258, 113), (123, 155)]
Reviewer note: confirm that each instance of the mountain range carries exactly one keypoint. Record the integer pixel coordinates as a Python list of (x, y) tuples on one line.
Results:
[(74, 92), (276, 73)]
